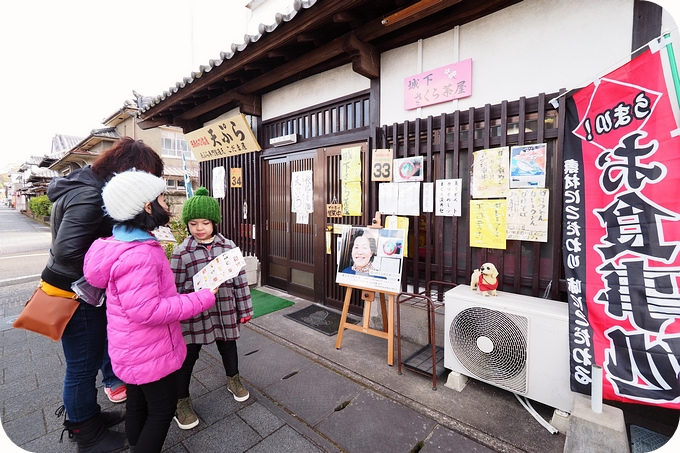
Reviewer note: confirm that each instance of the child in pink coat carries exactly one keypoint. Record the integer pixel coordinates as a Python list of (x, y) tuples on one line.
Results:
[(143, 307)]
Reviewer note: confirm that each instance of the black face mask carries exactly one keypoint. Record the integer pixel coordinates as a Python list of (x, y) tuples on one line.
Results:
[(159, 215), (148, 222)]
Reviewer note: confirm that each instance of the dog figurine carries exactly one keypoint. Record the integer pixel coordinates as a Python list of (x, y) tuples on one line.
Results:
[(485, 279)]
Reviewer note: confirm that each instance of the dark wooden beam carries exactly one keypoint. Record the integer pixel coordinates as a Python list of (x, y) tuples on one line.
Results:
[(249, 104), (365, 57), (154, 122), (346, 18)]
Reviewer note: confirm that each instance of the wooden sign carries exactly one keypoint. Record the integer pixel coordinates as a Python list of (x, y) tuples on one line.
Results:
[(236, 178), (334, 210), (225, 138), (381, 166)]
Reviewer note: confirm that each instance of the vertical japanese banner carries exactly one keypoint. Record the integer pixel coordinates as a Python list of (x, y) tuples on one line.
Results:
[(621, 235), (187, 181)]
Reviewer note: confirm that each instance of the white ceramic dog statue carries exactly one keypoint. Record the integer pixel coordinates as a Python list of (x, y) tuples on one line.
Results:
[(485, 279)]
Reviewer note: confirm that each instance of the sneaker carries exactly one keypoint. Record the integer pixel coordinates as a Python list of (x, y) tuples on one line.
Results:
[(237, 389), (184, 415), (117, 395)]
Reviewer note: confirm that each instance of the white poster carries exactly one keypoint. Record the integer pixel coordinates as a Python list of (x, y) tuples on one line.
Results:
[(409, 199), (449, 194), (302, 192), (428, 197), (218, 182), (387, 198)]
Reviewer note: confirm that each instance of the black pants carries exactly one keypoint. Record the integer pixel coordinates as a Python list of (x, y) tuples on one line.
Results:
[(150, 408), (227, 350)]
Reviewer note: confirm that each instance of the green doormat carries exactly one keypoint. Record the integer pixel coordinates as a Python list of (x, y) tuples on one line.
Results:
[(264, 303)]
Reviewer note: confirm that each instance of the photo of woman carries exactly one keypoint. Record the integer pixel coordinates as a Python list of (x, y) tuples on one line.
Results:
[(370, 258)]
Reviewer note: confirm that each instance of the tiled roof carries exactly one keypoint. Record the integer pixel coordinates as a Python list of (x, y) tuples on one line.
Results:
[(224, 56), (178, 171), (62, 143)]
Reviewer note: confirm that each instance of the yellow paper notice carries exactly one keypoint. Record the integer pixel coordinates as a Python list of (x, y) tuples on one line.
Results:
[(350, 166), (351, 197), (487, 224)]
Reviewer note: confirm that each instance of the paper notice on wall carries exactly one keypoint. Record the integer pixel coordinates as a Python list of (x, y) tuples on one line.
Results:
[(387, 197), (302, 218), (350, 164), (527, 166), (302, 191), (351, 197), (527, 215), (428, 196), (218, 182), (449, 195), (487, 224), (490, 173), (226, 266), (409, 198)]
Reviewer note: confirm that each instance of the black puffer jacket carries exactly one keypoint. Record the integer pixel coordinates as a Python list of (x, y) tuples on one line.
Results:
[(78, 218)]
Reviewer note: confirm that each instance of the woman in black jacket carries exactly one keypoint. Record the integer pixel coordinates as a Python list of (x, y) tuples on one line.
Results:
[(78, 219)]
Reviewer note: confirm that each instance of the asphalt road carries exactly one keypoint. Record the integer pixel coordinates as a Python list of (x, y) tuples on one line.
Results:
[(24, 247)]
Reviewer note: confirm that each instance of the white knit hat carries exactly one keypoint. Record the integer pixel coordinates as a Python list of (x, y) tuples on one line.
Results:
[(127, 193)]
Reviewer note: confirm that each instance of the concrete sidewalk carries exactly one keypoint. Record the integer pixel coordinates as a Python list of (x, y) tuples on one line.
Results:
[(306, 396)]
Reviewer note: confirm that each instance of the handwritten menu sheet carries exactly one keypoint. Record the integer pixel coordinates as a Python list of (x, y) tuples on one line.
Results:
[(224, 267)]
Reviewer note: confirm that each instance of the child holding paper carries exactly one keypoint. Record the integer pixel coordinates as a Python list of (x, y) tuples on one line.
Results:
[(221, 323), (143, 307)]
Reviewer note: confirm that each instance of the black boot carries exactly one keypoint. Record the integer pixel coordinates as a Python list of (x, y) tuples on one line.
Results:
[(110, 419), (92, 436)]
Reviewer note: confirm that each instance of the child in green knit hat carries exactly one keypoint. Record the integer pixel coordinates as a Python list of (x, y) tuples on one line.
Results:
[(221, 323)]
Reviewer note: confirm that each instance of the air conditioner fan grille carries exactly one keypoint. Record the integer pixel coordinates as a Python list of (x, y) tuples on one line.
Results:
[(492, 345)]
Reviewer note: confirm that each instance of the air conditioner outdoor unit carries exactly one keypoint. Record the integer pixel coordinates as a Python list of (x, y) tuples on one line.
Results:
[(515, 342)]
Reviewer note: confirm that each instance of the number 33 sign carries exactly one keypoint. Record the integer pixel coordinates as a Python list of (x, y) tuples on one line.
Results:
[(381, 169)]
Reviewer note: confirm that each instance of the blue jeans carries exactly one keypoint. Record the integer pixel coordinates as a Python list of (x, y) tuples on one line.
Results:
[(109, 379), (84, 343)]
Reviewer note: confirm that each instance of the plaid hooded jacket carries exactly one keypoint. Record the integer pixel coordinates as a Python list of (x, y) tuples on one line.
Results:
[(221, 321)]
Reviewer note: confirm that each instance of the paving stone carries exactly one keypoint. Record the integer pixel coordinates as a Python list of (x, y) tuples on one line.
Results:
[(260, 419), (374, 423), (231, 435), (444, 440), (313, 393), (285, 440)]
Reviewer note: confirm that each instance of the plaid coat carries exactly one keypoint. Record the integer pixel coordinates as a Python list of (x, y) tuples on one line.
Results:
[(221, 321)]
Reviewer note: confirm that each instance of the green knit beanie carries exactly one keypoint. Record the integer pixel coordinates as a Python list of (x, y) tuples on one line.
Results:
[(201, 206)]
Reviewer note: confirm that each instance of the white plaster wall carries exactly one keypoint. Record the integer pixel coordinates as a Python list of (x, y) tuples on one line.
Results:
[(313, 90), (532, 47), (536, 46)]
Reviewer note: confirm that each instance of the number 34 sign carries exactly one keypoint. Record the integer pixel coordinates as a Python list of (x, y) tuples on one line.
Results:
[(381, 169)]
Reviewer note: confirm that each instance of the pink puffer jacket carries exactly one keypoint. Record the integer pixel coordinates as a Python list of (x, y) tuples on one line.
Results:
[(143, 307)]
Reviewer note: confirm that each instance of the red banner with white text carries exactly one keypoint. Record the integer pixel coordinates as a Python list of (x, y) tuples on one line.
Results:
[(621, 234)]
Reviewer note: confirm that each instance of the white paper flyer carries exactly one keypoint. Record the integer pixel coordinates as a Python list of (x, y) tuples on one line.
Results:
[(224, 267)]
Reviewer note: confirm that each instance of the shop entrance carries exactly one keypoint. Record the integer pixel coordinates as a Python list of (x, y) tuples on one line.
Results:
[(301, 250), (292, 238)]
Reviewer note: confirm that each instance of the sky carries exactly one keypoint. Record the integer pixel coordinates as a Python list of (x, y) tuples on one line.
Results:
[(66, 65)]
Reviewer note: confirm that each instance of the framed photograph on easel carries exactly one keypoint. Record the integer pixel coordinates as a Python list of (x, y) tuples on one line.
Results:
[(371, 258)]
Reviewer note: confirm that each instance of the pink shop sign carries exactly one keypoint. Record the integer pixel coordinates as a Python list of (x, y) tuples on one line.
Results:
[(453, 81)]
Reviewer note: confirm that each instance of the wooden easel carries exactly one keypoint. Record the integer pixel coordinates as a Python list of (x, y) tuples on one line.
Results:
[(387, 311)]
